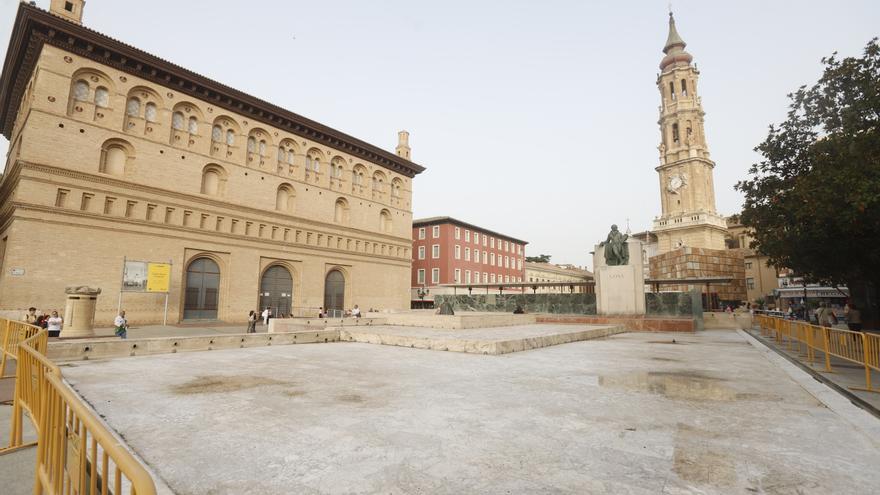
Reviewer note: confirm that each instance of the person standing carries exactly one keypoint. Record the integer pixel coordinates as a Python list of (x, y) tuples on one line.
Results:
[(265, 315), (30, 317), (825, 316), (252, 322), (121, 325), (54, 324)]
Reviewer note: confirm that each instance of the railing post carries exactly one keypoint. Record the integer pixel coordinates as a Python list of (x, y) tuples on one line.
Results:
[(865, 361), (827, 355)]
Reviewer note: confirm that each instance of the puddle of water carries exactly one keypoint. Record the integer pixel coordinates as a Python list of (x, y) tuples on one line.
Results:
[(215, 384)]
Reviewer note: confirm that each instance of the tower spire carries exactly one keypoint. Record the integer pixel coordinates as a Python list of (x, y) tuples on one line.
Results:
[(674, 48)]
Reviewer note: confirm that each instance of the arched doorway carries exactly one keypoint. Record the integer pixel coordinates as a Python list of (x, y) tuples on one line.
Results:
[(202, 290), (276, 290), (334, 291)]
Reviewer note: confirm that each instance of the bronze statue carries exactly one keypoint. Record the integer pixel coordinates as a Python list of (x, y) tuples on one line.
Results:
[(616, 250)]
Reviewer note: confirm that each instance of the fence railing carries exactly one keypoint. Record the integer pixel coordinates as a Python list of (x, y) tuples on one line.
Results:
[(76, 453), (13, 333), (798, 336)]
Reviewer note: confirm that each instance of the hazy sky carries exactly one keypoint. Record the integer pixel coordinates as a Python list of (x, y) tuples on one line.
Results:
[(534, 119)]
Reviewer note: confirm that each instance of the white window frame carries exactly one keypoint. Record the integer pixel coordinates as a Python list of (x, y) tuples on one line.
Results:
[(476, 237), (507, 246), (467, 276), (435, 231), (457, 234), (467, 254), (485, 240), (457, 252), (492, 242), (420, 276), (485, 278), (435, 251), (421, 252), (492, 259), (485, 257), (506, 262), (435, 275), (507, 279), (492, 277), (467, 236), (457, 276), (421, 233)]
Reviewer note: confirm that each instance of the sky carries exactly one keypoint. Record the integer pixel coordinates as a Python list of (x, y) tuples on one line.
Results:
[(534, 119)]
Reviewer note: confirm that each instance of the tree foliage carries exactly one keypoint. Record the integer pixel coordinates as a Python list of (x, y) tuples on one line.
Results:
[(813, 201), (541, 258)]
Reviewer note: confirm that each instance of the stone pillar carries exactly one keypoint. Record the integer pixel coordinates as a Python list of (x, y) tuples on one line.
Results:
[(79, 312), (620, 290)]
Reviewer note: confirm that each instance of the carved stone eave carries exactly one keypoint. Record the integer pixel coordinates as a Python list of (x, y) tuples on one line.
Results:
[(35, 27)]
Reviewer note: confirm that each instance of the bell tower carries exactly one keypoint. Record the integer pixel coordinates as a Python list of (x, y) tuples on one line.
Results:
[(72, 10), (687, 189)]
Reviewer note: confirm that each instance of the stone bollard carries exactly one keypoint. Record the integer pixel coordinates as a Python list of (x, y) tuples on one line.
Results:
[(79, 312)]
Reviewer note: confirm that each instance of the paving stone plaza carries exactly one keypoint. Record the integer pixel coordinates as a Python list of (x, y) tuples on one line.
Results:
[(713, 412)]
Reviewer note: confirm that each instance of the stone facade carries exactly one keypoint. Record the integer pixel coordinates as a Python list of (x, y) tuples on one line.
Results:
[(117, 154), (761, 279), (691, 262)]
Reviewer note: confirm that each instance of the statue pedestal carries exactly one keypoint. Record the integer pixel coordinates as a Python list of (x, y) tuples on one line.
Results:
[(620, 290), (79, 312)]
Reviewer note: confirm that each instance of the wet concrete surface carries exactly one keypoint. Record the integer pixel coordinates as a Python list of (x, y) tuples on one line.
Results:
[(632, 413)]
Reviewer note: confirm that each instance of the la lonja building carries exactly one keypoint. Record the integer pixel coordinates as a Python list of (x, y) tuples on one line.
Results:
[(117, 154)]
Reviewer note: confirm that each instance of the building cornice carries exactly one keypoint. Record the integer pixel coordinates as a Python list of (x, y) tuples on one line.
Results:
[(424, 222), (35, 27)]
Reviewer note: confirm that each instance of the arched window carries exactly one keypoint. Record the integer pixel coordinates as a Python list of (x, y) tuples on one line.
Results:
[(230, 137), (284, 198), (177, 121), (102, 97), (202, 290), (263, 148), (385, 221), (81, 91), (150, 112), (675, 133), (115, 154), (213, 180), (672, 90), (251, 144), (282, 155), (340, 211), (133, 107), (396, 187), (217, 134), (684, 88), (193, 125), (379, 182)]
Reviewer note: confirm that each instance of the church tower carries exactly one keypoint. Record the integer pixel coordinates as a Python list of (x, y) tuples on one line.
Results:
[(687, 189)]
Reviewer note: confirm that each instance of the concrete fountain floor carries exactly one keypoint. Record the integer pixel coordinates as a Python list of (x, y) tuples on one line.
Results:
[(632, 413)]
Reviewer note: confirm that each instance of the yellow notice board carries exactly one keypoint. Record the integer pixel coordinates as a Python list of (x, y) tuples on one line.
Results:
[(158, 277)]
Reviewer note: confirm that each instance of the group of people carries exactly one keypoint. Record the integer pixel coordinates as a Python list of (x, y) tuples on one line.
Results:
[(267, 314), (51, 322)]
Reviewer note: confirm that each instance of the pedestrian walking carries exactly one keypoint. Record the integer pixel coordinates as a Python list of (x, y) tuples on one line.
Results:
[(854, 318), (266, 315), (252, 322), (121, 325), (54, 324), (825, 316)]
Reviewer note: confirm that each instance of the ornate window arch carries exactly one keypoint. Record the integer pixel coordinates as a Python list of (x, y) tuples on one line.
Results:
[(385, 223), (341, 211), (285, 198), (185, 119), (314, 157), (90, 94), (142, 106), (257, 146), (358, 172), (337, 168), (379, 181), (115, 157), (213, 180), (396, 187), (223, 136), (286, 155)]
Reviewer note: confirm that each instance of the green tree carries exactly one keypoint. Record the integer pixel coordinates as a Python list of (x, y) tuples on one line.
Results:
[(542, 258), (813, 201)]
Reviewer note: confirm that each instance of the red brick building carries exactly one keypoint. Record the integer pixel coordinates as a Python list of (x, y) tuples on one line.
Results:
[(449, 251)]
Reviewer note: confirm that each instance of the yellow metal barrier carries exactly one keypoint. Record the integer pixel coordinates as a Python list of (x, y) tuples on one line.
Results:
[(76, 453), (856, 347), (13, 333)]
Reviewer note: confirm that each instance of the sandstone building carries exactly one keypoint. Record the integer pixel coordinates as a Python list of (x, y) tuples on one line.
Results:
[(117, 154), (552, 273), (690, 232)]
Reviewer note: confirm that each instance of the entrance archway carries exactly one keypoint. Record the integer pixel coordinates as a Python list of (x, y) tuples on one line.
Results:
[(202, 290), (276, 290), (334, 291)]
